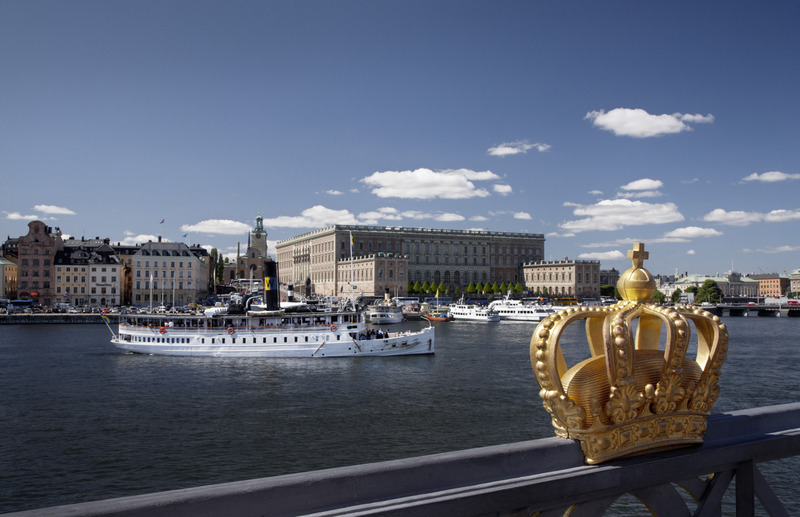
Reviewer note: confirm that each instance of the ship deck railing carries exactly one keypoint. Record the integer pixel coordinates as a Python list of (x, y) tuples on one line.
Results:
[(732, 473)]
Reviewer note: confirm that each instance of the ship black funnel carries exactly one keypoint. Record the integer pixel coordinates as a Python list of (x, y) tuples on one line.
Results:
[(271, 294)]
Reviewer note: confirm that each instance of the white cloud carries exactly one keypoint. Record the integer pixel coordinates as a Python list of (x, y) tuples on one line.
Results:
[(742, 218), (638, 123), (735, 218), (436, 216), (503, 190), (518, 147), (644, 187), (449, 216), (334, 192), (522, 215), (692, 232), (604, 255), (385, 213), (132, 239), (317, 216), (428, 184), (643, 184), (771, 177), (781, 216), (53, 210), (217, 227), (478, 218), (625, 241), (615, 214), (690, 252), (596, 192), (637, 195), (16, 216), (777, 249)]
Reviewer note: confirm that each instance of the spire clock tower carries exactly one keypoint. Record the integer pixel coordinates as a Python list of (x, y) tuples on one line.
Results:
[(258, 237)]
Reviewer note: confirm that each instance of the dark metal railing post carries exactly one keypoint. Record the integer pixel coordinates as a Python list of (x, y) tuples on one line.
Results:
[(745, 492)]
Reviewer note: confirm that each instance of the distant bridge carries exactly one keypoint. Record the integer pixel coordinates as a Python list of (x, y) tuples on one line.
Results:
[(765, 310)]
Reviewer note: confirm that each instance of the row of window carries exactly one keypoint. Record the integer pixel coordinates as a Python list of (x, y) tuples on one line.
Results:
[(34, 285), (179, 340), (82, 269), (103, 290), (163, 263), (163, 285), (163, 273), (103, 279), (34, 262)]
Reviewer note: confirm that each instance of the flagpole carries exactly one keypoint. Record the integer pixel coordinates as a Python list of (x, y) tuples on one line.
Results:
[(352, 288), (151, 292)]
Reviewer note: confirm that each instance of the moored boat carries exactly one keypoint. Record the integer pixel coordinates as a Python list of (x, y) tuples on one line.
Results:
[(515, 310), (437, 315), (385, 312), (472, 312)]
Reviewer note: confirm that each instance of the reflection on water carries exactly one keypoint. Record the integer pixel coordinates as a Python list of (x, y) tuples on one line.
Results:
[(81, 421)]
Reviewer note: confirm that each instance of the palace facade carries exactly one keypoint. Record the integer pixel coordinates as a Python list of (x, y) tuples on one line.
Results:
[(456, 258), (572, 278)]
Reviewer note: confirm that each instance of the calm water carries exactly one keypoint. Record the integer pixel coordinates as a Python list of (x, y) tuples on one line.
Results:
[(81, 421)]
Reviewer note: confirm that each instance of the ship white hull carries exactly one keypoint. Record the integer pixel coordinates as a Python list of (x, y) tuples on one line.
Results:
[(473, 313), (385, 317), (513, 310), (318, 343)]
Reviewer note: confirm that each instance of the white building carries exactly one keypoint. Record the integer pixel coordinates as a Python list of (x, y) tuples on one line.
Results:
[(169, 273)]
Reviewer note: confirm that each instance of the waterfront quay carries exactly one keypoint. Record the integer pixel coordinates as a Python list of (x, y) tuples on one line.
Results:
[(55, 318)]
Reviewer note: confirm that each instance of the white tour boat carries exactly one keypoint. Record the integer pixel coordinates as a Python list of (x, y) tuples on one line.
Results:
[(385, 312), (251, 329), (515, 310), (472, 312), (296, 331)]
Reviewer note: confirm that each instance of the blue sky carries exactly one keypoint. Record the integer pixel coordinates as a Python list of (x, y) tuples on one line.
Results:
[(596, 124)]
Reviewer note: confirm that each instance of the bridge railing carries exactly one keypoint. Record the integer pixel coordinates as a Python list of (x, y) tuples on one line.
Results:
[(544, 477)]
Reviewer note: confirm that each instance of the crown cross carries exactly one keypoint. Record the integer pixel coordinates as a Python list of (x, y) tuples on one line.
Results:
[(638, 254)]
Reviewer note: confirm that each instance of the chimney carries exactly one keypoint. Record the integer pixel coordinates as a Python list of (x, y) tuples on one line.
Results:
[(271, 294)]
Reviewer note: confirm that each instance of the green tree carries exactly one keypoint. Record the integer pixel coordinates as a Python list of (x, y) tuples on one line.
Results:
[(479, 288), (607, 290), (708, 292), (417, 287), (441, 289), (471, 288), (426, 288), (518, 288), (659, 297), (676, 296), (496, 288)]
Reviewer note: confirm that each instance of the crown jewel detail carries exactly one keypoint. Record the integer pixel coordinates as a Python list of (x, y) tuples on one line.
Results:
[(631, 396)]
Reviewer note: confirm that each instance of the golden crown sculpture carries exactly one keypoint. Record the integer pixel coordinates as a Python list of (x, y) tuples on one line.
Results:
[(631, 396)]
